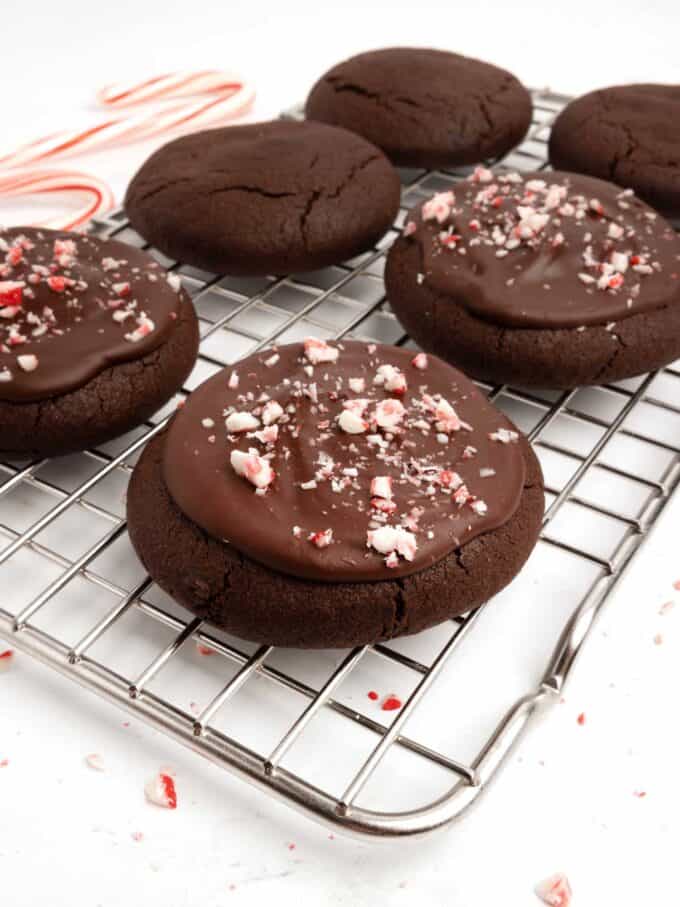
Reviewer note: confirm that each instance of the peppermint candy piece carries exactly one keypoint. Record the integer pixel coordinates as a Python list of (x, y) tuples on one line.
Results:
[(252, 467), (161, 790), (381, 487), (351, 422), (389, 413), (391, 540), (27, 363), (438, 207), (95, 761), (237, 422), (555, 891), (321, 539), (318, 351)]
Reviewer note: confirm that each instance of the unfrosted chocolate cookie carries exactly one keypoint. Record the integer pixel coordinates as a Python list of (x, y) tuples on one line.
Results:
[(94, 338), (629, 134), (424, 108), (267, 198), (340, 494), (547, 279)]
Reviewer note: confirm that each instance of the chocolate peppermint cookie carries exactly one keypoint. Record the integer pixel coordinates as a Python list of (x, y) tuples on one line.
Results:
[(629, 134), (340, 494), (424, 108), (545, 279), (267, 198), (94, 338)]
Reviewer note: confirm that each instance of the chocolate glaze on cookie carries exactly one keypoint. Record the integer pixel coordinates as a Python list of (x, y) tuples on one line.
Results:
[(345, 462), (72, 306), (545, 250)]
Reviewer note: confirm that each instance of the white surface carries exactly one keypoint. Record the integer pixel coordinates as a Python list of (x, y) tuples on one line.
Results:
[(566, 800)]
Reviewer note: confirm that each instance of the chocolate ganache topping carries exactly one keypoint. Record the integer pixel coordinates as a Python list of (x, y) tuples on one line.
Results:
[(546, 250), (343, 462), (73, 305)]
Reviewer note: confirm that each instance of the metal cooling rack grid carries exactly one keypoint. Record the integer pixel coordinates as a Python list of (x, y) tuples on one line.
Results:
[(75, 597)]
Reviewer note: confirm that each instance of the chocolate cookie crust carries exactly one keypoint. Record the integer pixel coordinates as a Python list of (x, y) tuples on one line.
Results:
[(424, 108), (221, 585), (629, 134), (266, 198), (540, 279)]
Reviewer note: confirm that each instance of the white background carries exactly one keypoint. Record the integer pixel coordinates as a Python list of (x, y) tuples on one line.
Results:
[(567, 799)]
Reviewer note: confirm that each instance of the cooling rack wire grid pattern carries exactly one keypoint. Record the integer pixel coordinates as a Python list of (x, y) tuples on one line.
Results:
[(299, 724)]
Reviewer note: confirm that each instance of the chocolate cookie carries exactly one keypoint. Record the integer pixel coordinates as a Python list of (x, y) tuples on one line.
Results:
[(629, 134), (94, 338), (339, 495), (546, 279), (424, 108), (267, 198)]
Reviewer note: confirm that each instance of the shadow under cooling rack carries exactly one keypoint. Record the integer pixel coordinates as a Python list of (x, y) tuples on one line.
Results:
[(300, 724)]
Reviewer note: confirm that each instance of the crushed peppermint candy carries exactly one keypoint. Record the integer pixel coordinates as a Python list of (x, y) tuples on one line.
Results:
[(318, 351), (252, 467), (161, 790), (350, 456), (238, 422), (27, 363), (95, 761), (555, 891), (612, 242), (392, 540), (321, 539), (55, 285), (504, 435)]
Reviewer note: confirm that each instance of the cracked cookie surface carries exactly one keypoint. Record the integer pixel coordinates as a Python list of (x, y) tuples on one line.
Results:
[(266, 198), (629, 134), (424, 108)]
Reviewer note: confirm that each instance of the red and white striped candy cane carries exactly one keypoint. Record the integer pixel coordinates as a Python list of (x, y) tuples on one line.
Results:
[(37, 182), (218, 98)]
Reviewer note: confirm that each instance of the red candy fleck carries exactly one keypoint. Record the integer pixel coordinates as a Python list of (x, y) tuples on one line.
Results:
[(391, 703), (639, 794), (676, 585), (204, 650), (11, 292), (581, 718), (321, 539), (372, 695), (6, 659), (169, 790), (58, 284)]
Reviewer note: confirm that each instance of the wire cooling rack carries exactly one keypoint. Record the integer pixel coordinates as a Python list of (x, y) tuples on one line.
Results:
[(300, 724)]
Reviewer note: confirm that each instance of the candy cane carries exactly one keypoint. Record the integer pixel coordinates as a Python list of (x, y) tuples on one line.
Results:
[(220, 97), (36, 182)]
